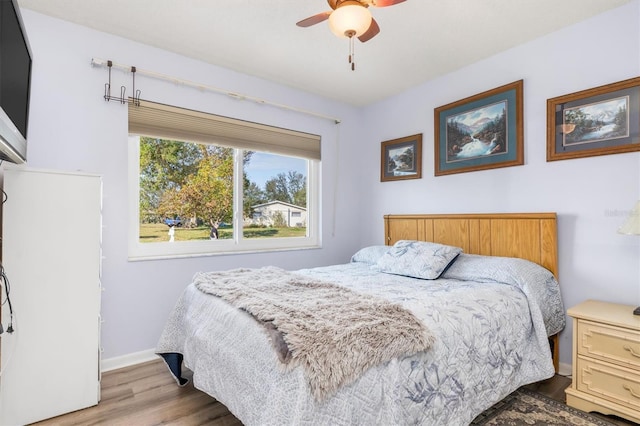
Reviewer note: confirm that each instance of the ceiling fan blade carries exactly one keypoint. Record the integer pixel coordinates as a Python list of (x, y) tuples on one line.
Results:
[(373, 30), (315, 19), (385, 3)]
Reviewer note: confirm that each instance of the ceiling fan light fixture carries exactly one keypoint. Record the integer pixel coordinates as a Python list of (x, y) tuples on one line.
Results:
[(350, 20)]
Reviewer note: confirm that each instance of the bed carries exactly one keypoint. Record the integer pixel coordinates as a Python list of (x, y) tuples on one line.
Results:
[(482, 320)]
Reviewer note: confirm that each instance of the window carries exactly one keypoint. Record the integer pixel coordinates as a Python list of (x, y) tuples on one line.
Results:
[(204, 184)]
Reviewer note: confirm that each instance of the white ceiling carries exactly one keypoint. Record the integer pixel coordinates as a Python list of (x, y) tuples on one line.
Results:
[(419, 39)]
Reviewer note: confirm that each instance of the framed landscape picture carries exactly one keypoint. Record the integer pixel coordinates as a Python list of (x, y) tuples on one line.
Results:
[(401, 158), (599, 121), (484, 131)]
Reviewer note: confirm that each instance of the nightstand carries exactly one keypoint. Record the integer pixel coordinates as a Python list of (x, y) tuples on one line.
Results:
[(606, 359)]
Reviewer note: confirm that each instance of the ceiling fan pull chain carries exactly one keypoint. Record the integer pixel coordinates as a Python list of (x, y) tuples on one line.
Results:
[(352, 56)]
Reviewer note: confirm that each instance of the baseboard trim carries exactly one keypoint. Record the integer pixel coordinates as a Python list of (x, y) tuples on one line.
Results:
[(127, 360)]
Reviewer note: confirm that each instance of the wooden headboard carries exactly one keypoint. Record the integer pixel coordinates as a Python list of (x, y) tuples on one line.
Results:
[(531, 236)]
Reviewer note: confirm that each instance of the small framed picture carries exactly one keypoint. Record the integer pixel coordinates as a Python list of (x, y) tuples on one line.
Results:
[(401, 158), (483, 131), (598, 121)]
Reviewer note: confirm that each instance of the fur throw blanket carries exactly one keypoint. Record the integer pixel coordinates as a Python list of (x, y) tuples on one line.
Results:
[(333, 333)]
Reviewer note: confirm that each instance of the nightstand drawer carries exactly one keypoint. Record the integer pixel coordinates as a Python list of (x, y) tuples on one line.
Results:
[(619, 385), (611, 344)]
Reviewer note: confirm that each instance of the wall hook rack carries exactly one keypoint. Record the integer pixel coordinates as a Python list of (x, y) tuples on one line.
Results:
[(135, 100)]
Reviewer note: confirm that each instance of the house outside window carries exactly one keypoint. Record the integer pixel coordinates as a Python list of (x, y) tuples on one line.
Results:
[(279, 213)]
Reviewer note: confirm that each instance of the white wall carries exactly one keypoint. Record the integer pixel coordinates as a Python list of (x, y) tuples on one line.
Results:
[(590, 195), (72, 128)]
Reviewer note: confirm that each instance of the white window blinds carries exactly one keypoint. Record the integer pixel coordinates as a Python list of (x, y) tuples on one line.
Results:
[(164, 121)]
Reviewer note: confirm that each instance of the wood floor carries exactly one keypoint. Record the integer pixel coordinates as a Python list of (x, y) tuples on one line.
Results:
[(146, 394), (554, 388)]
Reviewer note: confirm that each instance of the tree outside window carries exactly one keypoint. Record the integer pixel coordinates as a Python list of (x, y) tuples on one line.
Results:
[(190, 187)]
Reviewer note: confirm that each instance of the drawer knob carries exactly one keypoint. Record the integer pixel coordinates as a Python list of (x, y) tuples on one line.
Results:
[(630, 349), (631, 391)]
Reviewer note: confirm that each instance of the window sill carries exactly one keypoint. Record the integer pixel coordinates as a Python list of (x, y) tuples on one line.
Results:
[(158, 251)]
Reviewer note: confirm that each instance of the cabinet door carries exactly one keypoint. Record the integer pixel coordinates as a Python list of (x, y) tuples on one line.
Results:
[(51, 255)]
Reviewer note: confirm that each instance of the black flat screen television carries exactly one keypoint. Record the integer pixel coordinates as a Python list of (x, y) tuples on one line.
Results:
[(15, 82)]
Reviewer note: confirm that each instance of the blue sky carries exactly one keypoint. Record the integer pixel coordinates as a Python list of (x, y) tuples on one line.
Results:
[(263, 167)]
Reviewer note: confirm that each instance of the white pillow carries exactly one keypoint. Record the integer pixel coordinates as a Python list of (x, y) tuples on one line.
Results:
[(369, 255), (417, 259)]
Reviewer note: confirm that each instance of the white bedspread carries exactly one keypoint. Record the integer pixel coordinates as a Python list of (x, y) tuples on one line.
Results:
[(491, 318)]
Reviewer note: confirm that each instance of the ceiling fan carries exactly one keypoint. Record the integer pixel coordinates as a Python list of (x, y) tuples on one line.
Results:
[(350, 18)]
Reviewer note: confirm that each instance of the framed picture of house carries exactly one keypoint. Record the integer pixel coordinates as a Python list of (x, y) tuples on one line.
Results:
[(598, 121), (483, 131), (401, 158)]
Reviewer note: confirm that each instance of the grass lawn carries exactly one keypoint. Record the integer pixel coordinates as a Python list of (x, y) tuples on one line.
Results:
[(159, 232)]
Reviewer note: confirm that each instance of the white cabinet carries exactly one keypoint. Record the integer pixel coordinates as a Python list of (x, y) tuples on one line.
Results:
[(51, 254)]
